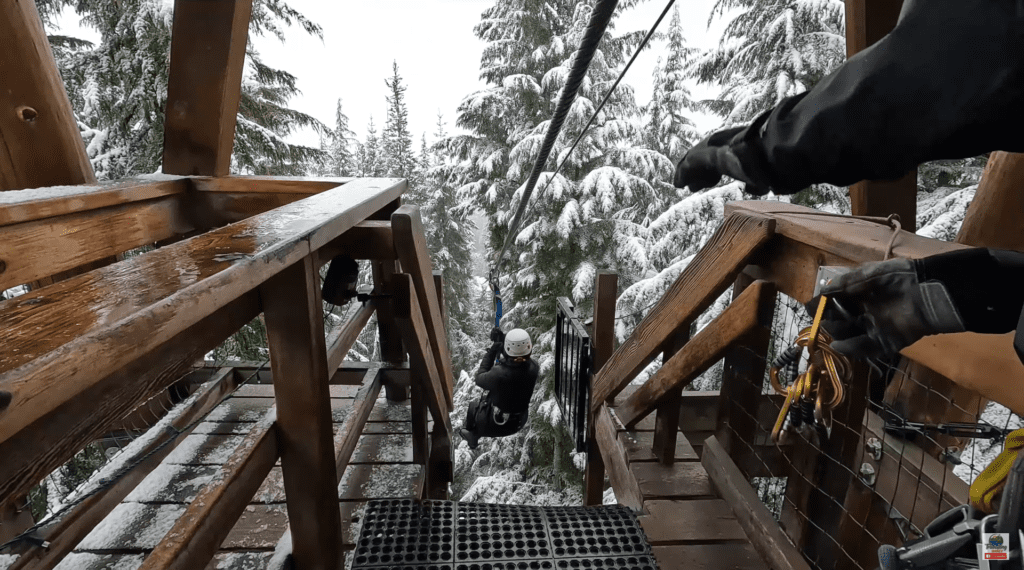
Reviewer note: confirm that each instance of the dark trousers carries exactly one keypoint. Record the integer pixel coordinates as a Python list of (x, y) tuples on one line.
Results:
[(480, 421)]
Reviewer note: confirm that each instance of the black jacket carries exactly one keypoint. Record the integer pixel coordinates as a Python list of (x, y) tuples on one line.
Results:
[(947, 82), (510, 384)]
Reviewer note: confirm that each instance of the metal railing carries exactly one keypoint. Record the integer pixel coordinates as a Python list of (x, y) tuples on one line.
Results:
[(572, 371)]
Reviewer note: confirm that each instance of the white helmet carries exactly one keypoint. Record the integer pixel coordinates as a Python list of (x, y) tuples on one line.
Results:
[(517, 343)]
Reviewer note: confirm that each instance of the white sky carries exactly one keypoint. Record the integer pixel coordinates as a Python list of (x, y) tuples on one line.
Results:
[(438, 57)]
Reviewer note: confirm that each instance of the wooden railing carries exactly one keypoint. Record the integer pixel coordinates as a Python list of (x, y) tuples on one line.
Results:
[(79, 355), (764, 249)]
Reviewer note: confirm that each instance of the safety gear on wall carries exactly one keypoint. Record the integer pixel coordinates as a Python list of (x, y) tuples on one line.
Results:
[(517, 343)]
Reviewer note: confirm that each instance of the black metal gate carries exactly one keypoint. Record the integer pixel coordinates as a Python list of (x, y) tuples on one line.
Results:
[(572, 371)]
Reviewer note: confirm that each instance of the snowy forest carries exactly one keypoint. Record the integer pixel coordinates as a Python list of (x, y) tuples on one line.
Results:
[(612, 207)]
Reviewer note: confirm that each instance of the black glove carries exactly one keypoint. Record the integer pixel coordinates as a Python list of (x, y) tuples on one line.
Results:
[(703, 165), (880, 308), (497, 336)]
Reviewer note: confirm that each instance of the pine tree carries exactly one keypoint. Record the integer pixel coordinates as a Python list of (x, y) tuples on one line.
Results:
[(667, 127), (342, 161), (370, 155), (399, 160)]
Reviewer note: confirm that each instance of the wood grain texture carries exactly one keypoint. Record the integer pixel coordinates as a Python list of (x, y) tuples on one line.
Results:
[(370, 239), (411, 247), (391, 349), (624, 483), (118, 314), (208, 40), (673, 522), (40, 144), (710, 273), (34, 250), (993, 219), (416, 336), (197, 534), (294, 316), (301, 185), (342, 339), (741, 318), (605, 293), (762, 530), (18, 207), (683, 480), (348, 435), (666, 417)]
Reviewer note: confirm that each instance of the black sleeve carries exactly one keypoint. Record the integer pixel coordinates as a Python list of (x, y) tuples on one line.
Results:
[(986, 285), (489, 357), (488, 379), (947, 82)]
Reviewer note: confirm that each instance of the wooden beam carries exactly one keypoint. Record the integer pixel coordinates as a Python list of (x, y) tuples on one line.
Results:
[(294, 316), (17, 207), (48, 333), (415, 335), (369, 239), (763, 532), (391, 349), (666, 420), (34, 250), (605, 293), (439, 289), (713, 269), (411, 247), (868, 21), (991, 219), (40, 144), (195, 537), (205, 80), (341, 340), (745, 315), (37, 449), (300, 185), (348, 435), (624, 483)]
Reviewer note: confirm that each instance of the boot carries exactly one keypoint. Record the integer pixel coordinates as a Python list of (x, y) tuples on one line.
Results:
[(471, 438)]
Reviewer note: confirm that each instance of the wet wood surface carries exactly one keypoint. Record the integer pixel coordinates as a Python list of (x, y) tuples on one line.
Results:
[(208, 41), (709, 274), (119, 313), (416, 336), (19, 207), (40, 144), (603, 338), (623, 481)]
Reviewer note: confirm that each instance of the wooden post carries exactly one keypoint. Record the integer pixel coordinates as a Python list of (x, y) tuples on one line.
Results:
[(868, 21), (40, 144), (605, 293), (391, 349), (666, 419), (993, 219), (294, 317), (204, 84)]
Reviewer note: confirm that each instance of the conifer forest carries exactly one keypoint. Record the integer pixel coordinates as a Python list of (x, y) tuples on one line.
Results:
[(612, 206)]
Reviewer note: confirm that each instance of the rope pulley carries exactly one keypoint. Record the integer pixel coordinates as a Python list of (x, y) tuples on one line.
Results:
[(814, 394)]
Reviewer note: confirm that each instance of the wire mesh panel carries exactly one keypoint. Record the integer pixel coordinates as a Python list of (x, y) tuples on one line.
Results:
[(572, 371), (901, 448)]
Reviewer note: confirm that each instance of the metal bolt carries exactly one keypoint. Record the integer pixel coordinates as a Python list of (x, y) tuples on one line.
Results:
[(951, 455), (867, 473), (875, 447)]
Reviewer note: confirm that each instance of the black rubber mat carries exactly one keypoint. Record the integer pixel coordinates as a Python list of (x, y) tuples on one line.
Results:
[(403, 534)]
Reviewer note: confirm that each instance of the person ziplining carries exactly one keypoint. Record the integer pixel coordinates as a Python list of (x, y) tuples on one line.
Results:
[(509, 383)]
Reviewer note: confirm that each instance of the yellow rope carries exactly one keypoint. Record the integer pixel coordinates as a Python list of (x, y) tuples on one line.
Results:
[(817, 380), (991, 481)]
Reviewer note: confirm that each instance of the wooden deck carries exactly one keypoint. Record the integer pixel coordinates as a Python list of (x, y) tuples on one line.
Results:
[(381, 467), (687, 523)]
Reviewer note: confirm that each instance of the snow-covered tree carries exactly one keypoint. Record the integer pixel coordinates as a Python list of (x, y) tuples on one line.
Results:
[(399, 159), (667, 126), (342, 162), (369, 157)]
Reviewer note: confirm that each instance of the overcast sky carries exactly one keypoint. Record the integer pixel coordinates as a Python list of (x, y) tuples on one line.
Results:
[(437, 54)]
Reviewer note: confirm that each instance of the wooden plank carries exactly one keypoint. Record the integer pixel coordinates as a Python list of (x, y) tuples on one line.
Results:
[(34, 250), (40, 144), (369, 239), (411, 247), (195, 537), (744, 316), (666, 417), (205, 79), (36, 450), (707, 557), (348, 435), (391, 349), (702, 520), (624, 483), (85, 318), (638, 447), (342, 339), (235, 184), (216, 209), (990, 220), (416, 337), (18, 207), (605, 293), (679, 480), (710, 273), (294, 316), (762, 530)]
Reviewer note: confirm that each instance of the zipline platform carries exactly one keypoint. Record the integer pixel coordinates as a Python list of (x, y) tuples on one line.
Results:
[(381, 467)]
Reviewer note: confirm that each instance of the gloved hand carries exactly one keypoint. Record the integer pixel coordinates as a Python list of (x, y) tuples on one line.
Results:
[(703, 165), (497, 335), (880, 308)]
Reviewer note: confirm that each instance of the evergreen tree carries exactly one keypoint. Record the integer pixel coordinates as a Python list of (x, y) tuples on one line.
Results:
[(342, 161), (667, 128), (399, 159), (370, 154)]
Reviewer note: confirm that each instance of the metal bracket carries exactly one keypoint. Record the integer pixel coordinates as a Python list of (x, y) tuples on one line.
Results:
[(874, 446), (867, 474)]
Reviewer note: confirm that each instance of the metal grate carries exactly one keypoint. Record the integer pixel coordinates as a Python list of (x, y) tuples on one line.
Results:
[(435, 535), (572, 371)]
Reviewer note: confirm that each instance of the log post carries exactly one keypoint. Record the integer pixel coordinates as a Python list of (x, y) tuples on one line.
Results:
[(605, 293), (994, 217)]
